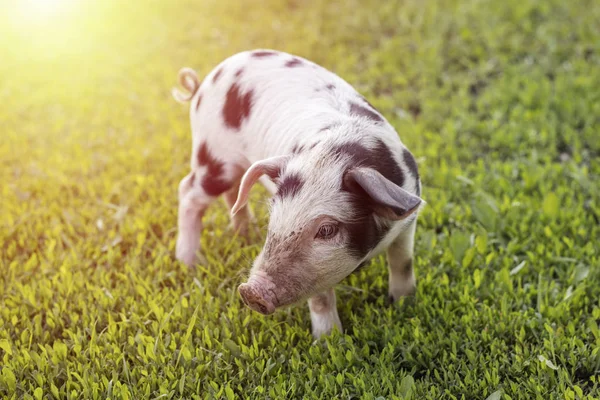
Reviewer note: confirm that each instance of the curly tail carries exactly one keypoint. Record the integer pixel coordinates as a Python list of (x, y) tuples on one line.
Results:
[(189, 80)]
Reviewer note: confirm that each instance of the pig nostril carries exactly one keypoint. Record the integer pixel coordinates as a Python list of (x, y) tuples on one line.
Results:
[(261, 308)]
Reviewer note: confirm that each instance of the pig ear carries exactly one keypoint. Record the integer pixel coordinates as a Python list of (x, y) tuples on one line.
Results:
[(391, 201), (270, 166)]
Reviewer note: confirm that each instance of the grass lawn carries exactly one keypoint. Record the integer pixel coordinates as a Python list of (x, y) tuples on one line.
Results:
[(498, 100)]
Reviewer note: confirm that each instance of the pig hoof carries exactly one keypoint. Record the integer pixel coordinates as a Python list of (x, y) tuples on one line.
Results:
[(186, 258), (393, 298), (190, 259), (390, 300), (404, 289), (323, 325), (320, 333)]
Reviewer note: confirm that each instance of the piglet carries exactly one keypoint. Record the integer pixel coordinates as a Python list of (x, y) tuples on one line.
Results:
[(344, 187)]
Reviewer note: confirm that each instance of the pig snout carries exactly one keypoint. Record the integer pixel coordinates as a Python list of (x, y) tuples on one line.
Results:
[(258, 295)]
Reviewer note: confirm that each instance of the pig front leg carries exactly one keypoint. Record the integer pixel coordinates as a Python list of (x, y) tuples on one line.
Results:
[(323, 313), (400, 261), (192, 204)]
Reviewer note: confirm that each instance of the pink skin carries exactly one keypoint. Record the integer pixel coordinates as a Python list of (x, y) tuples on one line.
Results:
[(258, 293), (282, 277)]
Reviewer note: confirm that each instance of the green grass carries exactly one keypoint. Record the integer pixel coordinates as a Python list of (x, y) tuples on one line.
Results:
[(499, 101)]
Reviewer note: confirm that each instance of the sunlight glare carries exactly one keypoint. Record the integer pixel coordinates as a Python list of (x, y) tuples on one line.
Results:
[(42, 11), (43, 30)]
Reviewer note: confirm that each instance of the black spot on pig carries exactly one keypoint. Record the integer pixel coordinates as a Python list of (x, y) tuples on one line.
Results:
[(379, 158), (357, 109), (289, 186), (294, 62), (412, 166), (239, 72), (217, 75), (203, 157), (359, 154), (263, 53), (198, 101), (213, 181), (364, 232), (237, 106), (215, 186), (383, 161)]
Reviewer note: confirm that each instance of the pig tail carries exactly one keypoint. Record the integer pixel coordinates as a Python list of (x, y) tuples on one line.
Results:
[(189, 80)]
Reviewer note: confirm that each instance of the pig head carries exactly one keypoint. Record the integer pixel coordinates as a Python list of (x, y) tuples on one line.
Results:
[(333, 208)]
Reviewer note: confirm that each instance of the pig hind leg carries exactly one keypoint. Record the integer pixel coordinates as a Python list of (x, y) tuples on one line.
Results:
[(400, 264), (323, 313)]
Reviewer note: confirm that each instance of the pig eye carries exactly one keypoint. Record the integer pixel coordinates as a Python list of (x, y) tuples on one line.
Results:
[(327, 231)]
